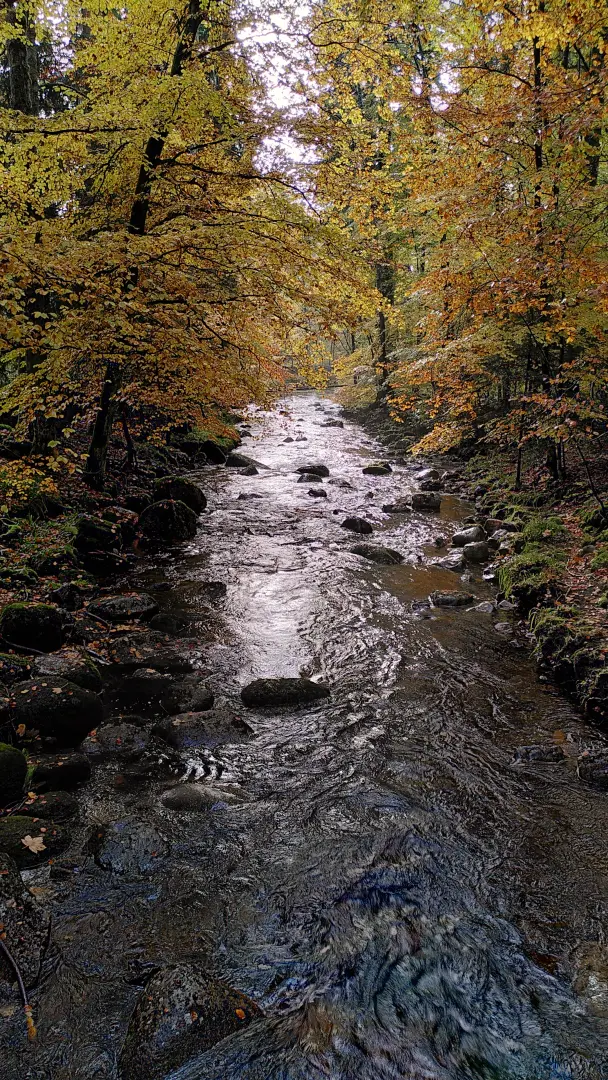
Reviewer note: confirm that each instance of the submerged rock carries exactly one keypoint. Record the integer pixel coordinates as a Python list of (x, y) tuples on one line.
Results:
[(451, 599), (317, 492), (169, 521), (13, 769), (57, 709), (549, 754), (309, 478), (196, 797), (378, 554), (34, 626), (128, 847), (181, 1013), (426, 500), (593, 769), (399, 506), (357, 524), (195, 730), (270, 693)]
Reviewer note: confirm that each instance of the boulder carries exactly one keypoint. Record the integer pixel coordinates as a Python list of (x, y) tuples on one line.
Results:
[(381, 469), (486, 607), (33, 626), (250, 470), (148, 649), (17, 828), (13, 769), (144, 687), (288, 439), (56, 708), (213, 452), (189, 695), (317, 492), (378, 554), (98, 545), (241, 461), (25, 925), (128, 847), (171, 623), (337, 482), (430, 485), (71, 664), (181, 1013), (427, 474), (169, 521), (476, 552), (426, 500), (271, 693), (195, 730), (124, 608), (178, 488), (399, 506), (301, 438), (69, 597), (124, 741), (62, 772), (315, 470), (468, 536), (451, 599), (357, 524), (333, 423)]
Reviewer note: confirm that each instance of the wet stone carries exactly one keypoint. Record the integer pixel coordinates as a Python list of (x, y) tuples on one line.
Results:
[(17, 828), (382, 469), (168, 622), (181, 1013), (486, 607), (128, 847), (468, 536), (317, 493), (25, 927), (336, 481), (451, 599), (240, 461), (455, 562), (146, 686), (189, 695), (195, 730), (430, 485), (122, 741), (428, 474), (196, 797), (357, 524), (178, 487), (399, 506), (476, 552), (271, 693), (54, 805), (309, 478), (57, 709), (117, 609), (593, 769), (71, 664), (548, 754), (426, 500), (288, 439), (61, 772), (314, 470), (169, 521), (378, 554)]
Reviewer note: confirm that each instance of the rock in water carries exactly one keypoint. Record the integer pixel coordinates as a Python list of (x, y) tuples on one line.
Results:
[(468, 536), (375, 553), (317, 492), (310, 478), (455, 562), (399, 506), (451, 599), (181, 1013), (426, 500), (270, 693), (56, 708), (177, 487), (128, 847), (169, 521), (381, 469), (16, 829), (13, 768), (477, 552), (357, 524), (119, 609), (25, 926), (315, 470), (428, 474), (62, 772), (35, 626)]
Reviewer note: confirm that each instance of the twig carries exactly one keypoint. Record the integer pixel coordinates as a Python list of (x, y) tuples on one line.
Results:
[(23, 648), (27, 1008), (99, 619)]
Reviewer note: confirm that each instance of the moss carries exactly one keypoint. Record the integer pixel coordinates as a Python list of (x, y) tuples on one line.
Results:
[(540, 528), (600, 560), (603, 601), (535, 566)]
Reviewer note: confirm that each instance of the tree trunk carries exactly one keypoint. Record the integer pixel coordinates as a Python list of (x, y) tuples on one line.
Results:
[(95, 471), (22, 63)]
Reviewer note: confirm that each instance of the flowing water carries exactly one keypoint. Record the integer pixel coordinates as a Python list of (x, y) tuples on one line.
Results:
[(401, 898)]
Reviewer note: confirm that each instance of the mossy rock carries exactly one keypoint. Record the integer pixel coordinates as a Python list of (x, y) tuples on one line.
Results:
[(35, 626), (178, 487), (168, 521), (13, 668), (13, 770), (15, 828), (70, 664)]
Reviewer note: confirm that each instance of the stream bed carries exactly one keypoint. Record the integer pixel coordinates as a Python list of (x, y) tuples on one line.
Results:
[(400, 896)]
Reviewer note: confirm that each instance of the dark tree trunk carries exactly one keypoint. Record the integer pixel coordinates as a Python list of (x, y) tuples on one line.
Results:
[(22, 64), (95, 470)]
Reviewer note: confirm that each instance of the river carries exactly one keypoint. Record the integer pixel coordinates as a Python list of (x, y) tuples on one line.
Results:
[(400, 897)]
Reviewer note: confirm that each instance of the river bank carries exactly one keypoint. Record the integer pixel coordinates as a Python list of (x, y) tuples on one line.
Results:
[(380, 872), (554, 567)]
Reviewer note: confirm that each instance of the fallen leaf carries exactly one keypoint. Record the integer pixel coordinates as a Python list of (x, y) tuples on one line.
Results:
[(20, 730), (34, 843)]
